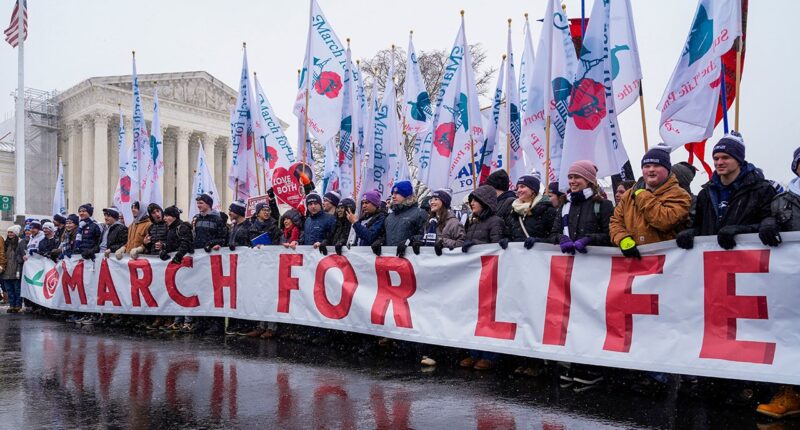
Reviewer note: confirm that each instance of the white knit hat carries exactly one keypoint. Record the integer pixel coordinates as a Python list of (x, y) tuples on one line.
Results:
[(15, 229)]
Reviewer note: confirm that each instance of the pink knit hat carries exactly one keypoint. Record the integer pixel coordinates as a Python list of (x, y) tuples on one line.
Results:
[(585, 169)]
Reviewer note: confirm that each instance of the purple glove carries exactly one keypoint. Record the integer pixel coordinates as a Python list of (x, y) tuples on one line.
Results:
[(567, 245), (580, 244)]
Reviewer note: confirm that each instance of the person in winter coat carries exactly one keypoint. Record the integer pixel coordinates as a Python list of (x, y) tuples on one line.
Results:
[(240, 226), (48, 247), (531, 215), (87, 241), (443, 230), (318, 224), (36, 236), (210, 230), (341, 230), (179, 241), (654, 210), (555, 195), (368, 228), (484, 226), (67, 245), (137, 231), (12, 269), (501, 183), (585, 215), (621, 188), (3, 264), (263, 222), (290, 233), (785, 210), (736, 199), (59, 221), (406, 223), (115, 234), (153, 243), (330, 202)]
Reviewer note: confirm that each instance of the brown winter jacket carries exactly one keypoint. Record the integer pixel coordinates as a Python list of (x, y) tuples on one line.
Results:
[(136, 233), (2, 255), (651, 216)]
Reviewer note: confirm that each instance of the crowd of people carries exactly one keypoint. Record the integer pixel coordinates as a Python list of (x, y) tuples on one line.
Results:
[(658, 207)]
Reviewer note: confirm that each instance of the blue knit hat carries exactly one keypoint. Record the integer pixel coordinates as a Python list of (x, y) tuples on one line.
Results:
[(658, 154), (731, 144), (796, 160), (87, 207), (444, 196), (404, 188), (313, 198)]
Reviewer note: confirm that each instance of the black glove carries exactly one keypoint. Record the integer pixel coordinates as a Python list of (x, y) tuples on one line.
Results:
[(467, 245), (769, 233), (438, 247), (271, 193), (401, 250), (338, 249), (207, 248), (232, 247), (726, 237), (376, 249), (177, 259), (685, 239), (415, 246), (163, 255), (323, 249), (87, 255), (529, 242), (503, 243), (31, 252)]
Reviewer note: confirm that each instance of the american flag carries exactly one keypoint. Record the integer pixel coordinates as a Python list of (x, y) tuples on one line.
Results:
[(12, 32)]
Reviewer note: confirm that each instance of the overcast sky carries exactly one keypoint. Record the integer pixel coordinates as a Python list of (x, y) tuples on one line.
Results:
[(73, 40)]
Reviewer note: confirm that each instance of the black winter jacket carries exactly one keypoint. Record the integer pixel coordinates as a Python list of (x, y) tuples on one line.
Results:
[(179, 238), (240, 234), (117, 237), (257, 228), (407, 221), (157, 233), (504, 204), (209, 230), (584, 222), (340, 234), (486, 227), (538, 223), (786, 210)]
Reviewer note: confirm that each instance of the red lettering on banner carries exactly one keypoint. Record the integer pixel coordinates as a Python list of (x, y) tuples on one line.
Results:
[(487, 325), (286, 283), (559, 301), (349, 286), (73, 282), (140, 287), (221, 281), (105, 286), (172, 288), (397, 295), (622, 304), (723, 307)]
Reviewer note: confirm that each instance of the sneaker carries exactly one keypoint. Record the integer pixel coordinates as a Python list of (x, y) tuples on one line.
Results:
[(483, 364), (427, 361), (72, 319), (171, 327), (587, 377), (467, 363), (89, 321), (785, 403), (187, 328), (256, 332)]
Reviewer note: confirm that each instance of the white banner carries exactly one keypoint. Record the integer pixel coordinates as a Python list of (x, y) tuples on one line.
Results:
[(707, 312)]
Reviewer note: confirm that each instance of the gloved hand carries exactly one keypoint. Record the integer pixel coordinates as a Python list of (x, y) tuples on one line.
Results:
[(232, 247), (581, 244), (415, 246), (685, 239), (338, 248), (503, 243), (136, 251), (68, 254), (323, 249), (438, 247), (376, 249), (726, 237), (769, 233), (120, 253), (32, 251), (87, 255), (163, 255), (467, 245), (567, 245), (177, 259), (629, 249), (529, 242), (639, 188), (207, 248), (401, 250)]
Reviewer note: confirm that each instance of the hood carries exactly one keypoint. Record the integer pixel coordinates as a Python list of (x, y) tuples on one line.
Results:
[(487, 196)]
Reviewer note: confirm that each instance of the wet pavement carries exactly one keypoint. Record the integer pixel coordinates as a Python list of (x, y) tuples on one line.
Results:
[(54, 375)]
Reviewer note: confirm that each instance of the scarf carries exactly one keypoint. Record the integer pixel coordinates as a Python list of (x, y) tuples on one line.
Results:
[(577, 197), (524, 209)]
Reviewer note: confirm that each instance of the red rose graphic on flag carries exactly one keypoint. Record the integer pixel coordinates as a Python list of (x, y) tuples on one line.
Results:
[(50, 283), (272, 156), (444, 137), (588, 104), (125, 189), (329, 84)]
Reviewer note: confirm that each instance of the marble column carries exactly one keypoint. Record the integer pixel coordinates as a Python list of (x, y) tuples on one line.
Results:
[(100, 174), (183, 170), (87, 162), (73, 166), (209, 145)]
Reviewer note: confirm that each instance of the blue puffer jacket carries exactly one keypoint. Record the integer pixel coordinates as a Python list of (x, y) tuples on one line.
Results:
[(89, 237), (407, 221), (317, 228), (369, 229)]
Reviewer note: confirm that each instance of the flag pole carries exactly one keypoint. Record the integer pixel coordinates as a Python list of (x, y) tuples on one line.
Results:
[(309, 74), (471, 141), (255, 156), (508, 118), (724, 95), (353, 144), (739, 48), (644, 121), (19, 138)]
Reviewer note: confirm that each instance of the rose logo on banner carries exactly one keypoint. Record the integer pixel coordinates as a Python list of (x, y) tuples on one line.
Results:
[(327, 83), (445, 134), (588, 104)]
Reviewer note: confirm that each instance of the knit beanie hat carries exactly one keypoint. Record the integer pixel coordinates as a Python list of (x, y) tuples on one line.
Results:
[(15, 229), (348, 203), (87, 207), (260, 206), (205, 198), (530, 181), (684, 173), (35, 224), (73, 218), (238, 208), (585, 169), (552, 188), (61, 219), (112, 212), (333, 197), (731, 144), (313, 198), (499, 180), (658, 154), (373, 197), (49, 226), (444, 196), (404, 188), (796, 160), (173, 211)]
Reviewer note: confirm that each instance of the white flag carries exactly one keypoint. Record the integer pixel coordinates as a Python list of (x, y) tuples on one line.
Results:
[(325, 62), (526, 68), (515, 157), (59, 201), (122, 193), (154, 166), (389, 159), (270, 139), (203, 184), (369, 141), (242, 176), (592, 130), (349, 132), (417, 111), (490, 158), (140, 147), (689, 104), (626, 71), (549, 88)]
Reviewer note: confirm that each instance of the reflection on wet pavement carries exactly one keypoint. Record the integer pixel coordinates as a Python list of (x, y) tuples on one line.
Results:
[(58, 376)]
